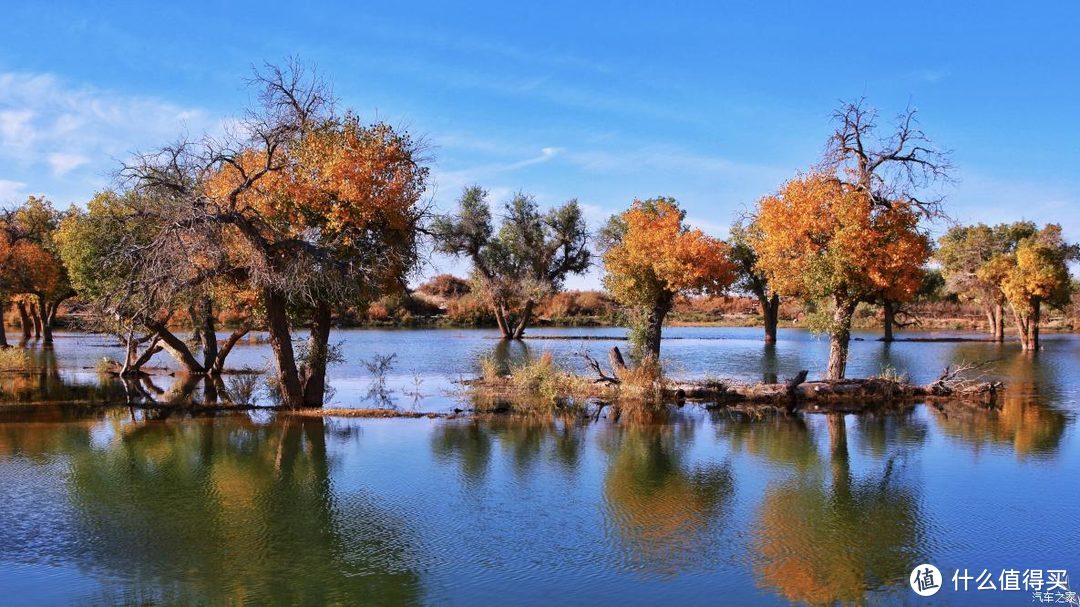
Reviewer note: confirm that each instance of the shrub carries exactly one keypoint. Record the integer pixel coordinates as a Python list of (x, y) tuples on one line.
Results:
[(243, 387), (377, 312), (489, 368), (14, 359), (445, 285), (577, 305), (470, 310), (550, 382)]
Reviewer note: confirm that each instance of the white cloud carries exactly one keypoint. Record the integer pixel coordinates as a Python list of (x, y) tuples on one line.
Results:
[(10, 191), (63, 163), (51, 129)]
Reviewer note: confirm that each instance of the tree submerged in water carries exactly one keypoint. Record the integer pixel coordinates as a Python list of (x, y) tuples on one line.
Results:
[(651, 256), (310, 209), (819, 239)]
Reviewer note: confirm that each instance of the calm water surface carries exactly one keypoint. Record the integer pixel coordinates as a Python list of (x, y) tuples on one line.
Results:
[(106, 506)]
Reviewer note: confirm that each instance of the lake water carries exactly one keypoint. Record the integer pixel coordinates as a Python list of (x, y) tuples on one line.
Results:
[(118, 505)]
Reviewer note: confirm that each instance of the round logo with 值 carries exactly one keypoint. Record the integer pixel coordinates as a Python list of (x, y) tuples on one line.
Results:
[(925, 580)]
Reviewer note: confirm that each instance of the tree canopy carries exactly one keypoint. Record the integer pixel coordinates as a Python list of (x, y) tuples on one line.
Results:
[(528, 258)]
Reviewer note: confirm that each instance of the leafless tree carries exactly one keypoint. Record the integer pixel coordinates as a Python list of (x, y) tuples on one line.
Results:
[(899, 166)]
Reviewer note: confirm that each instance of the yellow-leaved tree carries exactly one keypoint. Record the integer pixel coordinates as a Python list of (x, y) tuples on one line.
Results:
[(821, 238), (651, 256), (1037, 273)]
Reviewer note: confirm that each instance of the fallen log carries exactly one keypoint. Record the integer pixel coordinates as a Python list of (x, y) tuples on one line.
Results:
[(846, 395), (796, 392)]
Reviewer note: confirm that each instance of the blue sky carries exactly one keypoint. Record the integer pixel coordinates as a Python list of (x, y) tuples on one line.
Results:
[(715, 104)]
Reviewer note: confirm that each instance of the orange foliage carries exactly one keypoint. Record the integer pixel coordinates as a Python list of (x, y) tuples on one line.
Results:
[(658, 255), (817, 237), (343, 181), (29, 268)]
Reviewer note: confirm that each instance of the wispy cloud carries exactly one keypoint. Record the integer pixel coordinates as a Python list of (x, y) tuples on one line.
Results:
[(11, 190), (52, 130), (63, 163), (451, 182)]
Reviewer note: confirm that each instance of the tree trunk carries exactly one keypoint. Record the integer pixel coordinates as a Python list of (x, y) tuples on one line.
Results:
[(133, 363), (209, 333), (890, 319), (1036, 314), (3, 330), (277, 323), (526, 315), (223, 353), (176, 348), (151, 350), (500, 319), (314, 375), (196, 326), (654, 324), (44, 318), (770, 310), (1021, 328), (24, 321), (35, 316), (839, 340), (999, 323), (129, 352)]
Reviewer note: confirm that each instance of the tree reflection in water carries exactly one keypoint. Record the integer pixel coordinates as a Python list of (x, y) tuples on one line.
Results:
[(231, 511), (1022, 418), (44, 382), (661, 512), (472, 443), (824, 536)]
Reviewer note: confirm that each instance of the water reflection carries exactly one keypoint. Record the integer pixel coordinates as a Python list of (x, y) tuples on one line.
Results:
[(825, 536), (781, 439), (1025, 418), (223, 511), (526, 442), (661, 511), (1028, 427), (509, 353), (770, 365), (46, 381)]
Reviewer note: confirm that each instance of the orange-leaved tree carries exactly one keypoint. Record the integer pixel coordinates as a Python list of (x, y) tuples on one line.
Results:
[(903, 250), (31, 266), (821, 238), (651, 256), (316, 210)]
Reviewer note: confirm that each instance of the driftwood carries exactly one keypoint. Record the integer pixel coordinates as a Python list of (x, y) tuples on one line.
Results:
[(951, 384), (602, 377), (618, 367), (618, 364)]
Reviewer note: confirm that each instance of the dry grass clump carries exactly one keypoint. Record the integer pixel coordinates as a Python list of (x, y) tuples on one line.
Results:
[(550, 383), (490, 370), (14, 359), (646, 380), (106, 365)]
